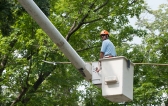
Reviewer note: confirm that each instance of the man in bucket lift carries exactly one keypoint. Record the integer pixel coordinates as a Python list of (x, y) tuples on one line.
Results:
[(107, 48)]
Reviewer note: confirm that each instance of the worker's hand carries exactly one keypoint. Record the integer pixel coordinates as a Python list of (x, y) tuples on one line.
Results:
[(99, 63), (97, 69)]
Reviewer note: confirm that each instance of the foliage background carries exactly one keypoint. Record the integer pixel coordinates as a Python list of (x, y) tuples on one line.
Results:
[(26, 80)]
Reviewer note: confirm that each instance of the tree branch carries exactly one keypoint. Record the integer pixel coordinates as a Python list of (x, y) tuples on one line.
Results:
[(101, 6), (86, 22), (76, 27), (133, 1), (41, 78), (24, 90), (5, 57)]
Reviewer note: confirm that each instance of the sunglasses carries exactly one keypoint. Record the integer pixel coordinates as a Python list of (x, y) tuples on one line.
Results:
[(103, 35)]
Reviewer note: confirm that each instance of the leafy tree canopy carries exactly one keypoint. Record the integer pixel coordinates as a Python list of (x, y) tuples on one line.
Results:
[(25, 78)]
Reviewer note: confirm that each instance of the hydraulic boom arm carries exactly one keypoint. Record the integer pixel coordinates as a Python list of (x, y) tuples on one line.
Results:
[(56, 37)]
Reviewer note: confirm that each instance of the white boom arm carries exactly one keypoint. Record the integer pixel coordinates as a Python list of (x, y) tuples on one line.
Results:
[(56, 37)]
